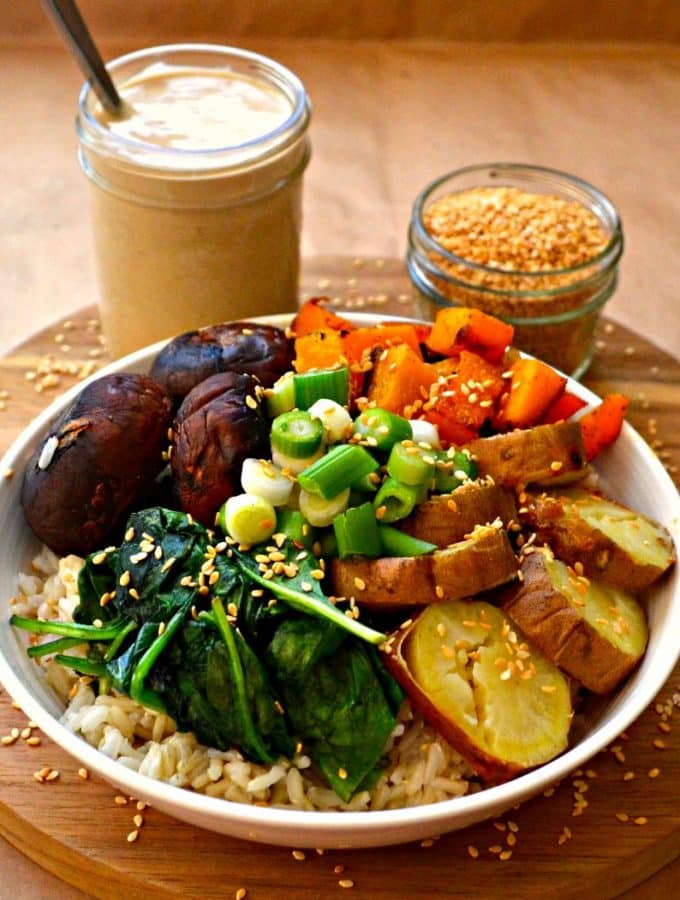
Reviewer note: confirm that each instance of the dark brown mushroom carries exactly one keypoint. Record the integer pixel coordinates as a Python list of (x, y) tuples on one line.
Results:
[(260, 350), (97, 462), (218, 425)]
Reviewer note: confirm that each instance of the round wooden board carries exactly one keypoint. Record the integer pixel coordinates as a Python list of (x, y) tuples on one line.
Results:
[(75, 829)]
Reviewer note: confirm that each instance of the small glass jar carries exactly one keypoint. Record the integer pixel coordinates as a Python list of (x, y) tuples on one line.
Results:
[(195, 233), (554, 310)]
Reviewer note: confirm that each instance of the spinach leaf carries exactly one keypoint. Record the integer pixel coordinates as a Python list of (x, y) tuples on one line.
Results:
[(162, 549), (223, 694), (342, 715), (299, 643), (95, 580), (301, 591)]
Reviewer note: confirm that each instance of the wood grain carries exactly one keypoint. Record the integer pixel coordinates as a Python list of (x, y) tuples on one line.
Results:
[(75, 829)]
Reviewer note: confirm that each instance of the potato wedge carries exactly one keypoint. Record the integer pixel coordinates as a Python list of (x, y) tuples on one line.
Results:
[(593, 631), (532, 455), (482, 561), (447, 518), (501, 704), (611, 542)]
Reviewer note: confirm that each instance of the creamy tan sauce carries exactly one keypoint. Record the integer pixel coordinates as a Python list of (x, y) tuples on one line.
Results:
[(192, 108), (185, 239)]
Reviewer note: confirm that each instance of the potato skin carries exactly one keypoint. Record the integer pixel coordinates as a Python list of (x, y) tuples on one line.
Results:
[(555, 519), (481, 562), (553, 625), (214, 431), (110, 442), (488, 767), (446, 518), (260, 350), (532, 455)]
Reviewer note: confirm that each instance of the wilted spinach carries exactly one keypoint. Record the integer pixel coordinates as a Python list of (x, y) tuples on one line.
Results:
[(285, 666)]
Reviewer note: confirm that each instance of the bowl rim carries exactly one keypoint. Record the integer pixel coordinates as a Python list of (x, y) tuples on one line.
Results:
[(441, 816)]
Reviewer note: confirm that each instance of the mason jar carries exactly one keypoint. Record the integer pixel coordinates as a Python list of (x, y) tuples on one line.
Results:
[(196, 190), (554, 308)]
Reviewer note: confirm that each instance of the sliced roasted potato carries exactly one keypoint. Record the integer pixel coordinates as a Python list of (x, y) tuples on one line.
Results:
[(447, 518), (499, 702), (532, 455), (611, 542), (482, 561), (594, 631)]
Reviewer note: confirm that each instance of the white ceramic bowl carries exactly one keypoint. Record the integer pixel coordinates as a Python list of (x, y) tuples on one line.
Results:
[(629, 472)]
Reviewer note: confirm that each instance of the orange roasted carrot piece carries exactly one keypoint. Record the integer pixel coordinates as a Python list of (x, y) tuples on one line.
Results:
[(467, 398), (534, 385), (471, 329), (399, 379), (601, 426), (312, 316), (562, 409), (322, 349)]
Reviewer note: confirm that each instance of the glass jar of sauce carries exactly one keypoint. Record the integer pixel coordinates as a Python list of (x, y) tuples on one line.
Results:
[(196, 190)]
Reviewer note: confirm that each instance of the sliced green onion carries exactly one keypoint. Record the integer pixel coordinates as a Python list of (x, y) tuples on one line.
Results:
[(263, 479), (367, 484), (296, 434), (356, 532), (395, 500), (321, 384), (248, 519), (335, 419), (381, 429), (293, 524), (320, 511), (453, 468), (397, 543), (337, 470), (292, 466), (280, 398), (424, 432), (411, 464)]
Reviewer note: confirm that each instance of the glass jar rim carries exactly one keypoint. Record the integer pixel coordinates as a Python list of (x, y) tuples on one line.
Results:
[(91, 130), (613, 248)]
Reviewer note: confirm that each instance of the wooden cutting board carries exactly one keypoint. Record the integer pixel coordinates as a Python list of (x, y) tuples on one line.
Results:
[(627, 832)]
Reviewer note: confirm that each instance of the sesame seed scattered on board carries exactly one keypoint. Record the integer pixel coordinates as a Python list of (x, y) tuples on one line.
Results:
[(346, 883), (132, 836), (241, 893), (472, 851), (299, 855)]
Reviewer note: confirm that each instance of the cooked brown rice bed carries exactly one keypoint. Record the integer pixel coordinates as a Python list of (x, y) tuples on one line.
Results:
[(421, 766)]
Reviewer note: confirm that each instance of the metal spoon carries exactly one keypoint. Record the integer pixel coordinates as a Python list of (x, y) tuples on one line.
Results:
[(69, 22)]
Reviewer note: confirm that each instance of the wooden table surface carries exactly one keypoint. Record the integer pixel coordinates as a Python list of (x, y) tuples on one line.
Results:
[(76, 830)]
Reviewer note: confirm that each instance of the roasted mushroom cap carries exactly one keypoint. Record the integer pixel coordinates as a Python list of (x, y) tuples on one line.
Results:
[(96, 463), (259, 350), (218, 425)]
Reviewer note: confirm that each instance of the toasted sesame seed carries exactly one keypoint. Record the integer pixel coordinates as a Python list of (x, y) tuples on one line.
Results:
[(83, 773), (346, 883), (132, 836), (472, 851), (505, 855), (640, 820), (33, 741), (241, 894), (119, 800)]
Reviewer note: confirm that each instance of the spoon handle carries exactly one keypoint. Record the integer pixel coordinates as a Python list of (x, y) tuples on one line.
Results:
[(66, 16)]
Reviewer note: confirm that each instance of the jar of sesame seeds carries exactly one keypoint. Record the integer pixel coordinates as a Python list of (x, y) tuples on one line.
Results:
[(533, 246)]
